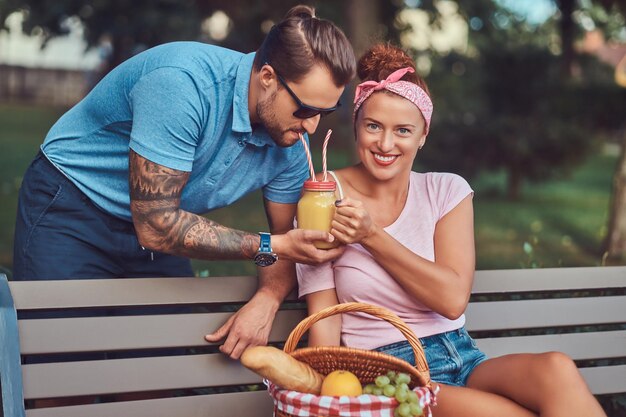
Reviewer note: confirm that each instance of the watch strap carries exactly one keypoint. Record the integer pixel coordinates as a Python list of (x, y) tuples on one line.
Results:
[(265, 245)]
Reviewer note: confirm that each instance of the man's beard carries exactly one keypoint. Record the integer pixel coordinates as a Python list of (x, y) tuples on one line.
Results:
[(267, 115)]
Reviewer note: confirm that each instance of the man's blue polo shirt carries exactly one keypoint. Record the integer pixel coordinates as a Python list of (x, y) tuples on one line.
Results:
[(183, 105)]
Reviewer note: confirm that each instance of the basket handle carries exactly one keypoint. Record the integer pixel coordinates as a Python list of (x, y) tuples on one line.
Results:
[(377, 311)]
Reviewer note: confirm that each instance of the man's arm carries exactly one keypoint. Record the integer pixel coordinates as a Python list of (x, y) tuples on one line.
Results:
[(252, 324), (155, 193), (281, 280)]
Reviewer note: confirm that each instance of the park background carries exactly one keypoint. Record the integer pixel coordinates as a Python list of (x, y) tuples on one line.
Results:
[(530, 104), (529, 95)]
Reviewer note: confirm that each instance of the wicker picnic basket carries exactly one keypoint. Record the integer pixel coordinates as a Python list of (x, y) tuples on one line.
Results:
[(365, 364)]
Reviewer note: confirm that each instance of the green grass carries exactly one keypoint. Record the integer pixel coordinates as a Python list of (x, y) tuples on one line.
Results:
[(563, 220), (23, 129)]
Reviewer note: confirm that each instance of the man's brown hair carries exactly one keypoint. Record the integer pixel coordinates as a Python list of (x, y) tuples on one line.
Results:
[(301, 41)]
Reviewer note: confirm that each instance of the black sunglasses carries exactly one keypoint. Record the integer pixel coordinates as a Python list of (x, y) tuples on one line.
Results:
[(304, 110)]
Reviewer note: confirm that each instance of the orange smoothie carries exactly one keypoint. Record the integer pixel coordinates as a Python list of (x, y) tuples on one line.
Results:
[(316, 209)]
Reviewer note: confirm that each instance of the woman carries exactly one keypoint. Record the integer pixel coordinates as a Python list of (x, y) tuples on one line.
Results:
[(410, 248)]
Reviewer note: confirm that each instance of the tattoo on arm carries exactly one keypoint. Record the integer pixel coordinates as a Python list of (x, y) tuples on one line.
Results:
[(155, 193)]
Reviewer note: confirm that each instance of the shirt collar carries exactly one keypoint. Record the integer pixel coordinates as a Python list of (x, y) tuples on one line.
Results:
[(241, 114)]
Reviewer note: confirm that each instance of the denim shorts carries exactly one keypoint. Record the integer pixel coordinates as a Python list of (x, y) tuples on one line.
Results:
[(451, 356)]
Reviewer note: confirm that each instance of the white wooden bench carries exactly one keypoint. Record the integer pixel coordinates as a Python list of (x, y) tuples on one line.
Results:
[(580, 311)]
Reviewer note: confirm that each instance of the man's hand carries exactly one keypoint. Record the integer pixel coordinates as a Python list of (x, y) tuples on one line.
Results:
[(250, 326), (298, 245)]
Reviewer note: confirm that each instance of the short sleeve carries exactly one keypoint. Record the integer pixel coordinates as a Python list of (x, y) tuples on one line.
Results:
[(167, 118), (452, 189), (286, 187), (314, 278)]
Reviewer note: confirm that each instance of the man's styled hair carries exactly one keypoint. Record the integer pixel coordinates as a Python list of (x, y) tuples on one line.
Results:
[(301, 41)]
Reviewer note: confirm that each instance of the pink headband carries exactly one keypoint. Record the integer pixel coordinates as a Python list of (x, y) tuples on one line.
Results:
[(411, 91)]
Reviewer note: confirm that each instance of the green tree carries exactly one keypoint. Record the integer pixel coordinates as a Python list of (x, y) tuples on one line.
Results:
[(606, 15), (132, 26), (504, 105), (509, 110), (138, 24)]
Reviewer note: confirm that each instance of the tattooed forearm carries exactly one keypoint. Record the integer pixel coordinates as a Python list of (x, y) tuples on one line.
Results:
[(155, 193), (202, 233)]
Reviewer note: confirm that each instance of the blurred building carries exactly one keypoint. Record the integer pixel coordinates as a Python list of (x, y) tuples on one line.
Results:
[(611, 53), (59, 74)]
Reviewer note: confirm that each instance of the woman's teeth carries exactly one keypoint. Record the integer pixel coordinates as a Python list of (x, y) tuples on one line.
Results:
[(384, 158)]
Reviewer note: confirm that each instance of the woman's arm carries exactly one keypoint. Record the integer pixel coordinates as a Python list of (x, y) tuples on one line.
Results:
[(444, 285), (325, 332)]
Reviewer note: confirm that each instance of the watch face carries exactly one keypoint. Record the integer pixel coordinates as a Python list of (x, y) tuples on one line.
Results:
[(264, 259)]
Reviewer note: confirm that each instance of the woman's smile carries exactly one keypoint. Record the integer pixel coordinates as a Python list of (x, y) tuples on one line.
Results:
[(384, 159)]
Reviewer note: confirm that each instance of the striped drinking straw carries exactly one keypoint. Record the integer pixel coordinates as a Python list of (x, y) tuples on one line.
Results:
[(326, 139), (308, 156)]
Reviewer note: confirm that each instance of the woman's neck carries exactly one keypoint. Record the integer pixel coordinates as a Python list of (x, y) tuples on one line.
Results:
[(384, 200), (368, 186)]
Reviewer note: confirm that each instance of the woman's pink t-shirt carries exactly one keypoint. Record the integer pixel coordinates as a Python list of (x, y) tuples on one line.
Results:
[(356, 276)]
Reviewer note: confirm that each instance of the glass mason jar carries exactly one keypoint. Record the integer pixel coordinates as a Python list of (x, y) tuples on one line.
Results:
[(316, 209)]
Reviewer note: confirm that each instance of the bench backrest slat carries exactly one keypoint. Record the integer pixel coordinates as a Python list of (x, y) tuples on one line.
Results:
[(134, 374), (38, 295), (605, 379), (578, 346), (35, 295), (548, 279), (499, 315), (227, 405), (120, 332)]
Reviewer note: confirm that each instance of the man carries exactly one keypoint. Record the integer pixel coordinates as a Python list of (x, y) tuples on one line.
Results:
[(177, 131)]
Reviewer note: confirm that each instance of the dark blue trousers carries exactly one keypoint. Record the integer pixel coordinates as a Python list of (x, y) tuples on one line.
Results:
[(61, 234)]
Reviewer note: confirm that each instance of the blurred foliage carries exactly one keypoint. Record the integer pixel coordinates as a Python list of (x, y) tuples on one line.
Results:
[(518, 98), (510, 108), (565, 219), (249, 21), (132, 26), (506, 103), (491, 22)]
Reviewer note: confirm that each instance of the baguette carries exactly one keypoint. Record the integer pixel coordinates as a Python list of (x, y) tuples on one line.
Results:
[(282, 369)]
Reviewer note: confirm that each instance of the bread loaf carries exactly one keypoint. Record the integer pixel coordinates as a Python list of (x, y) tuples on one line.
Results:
[(282, 369)]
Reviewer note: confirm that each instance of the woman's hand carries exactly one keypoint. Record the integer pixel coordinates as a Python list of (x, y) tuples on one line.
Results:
[(352, 223)]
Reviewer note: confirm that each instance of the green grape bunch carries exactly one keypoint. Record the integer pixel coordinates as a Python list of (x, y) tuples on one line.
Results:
[(396, 385)]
